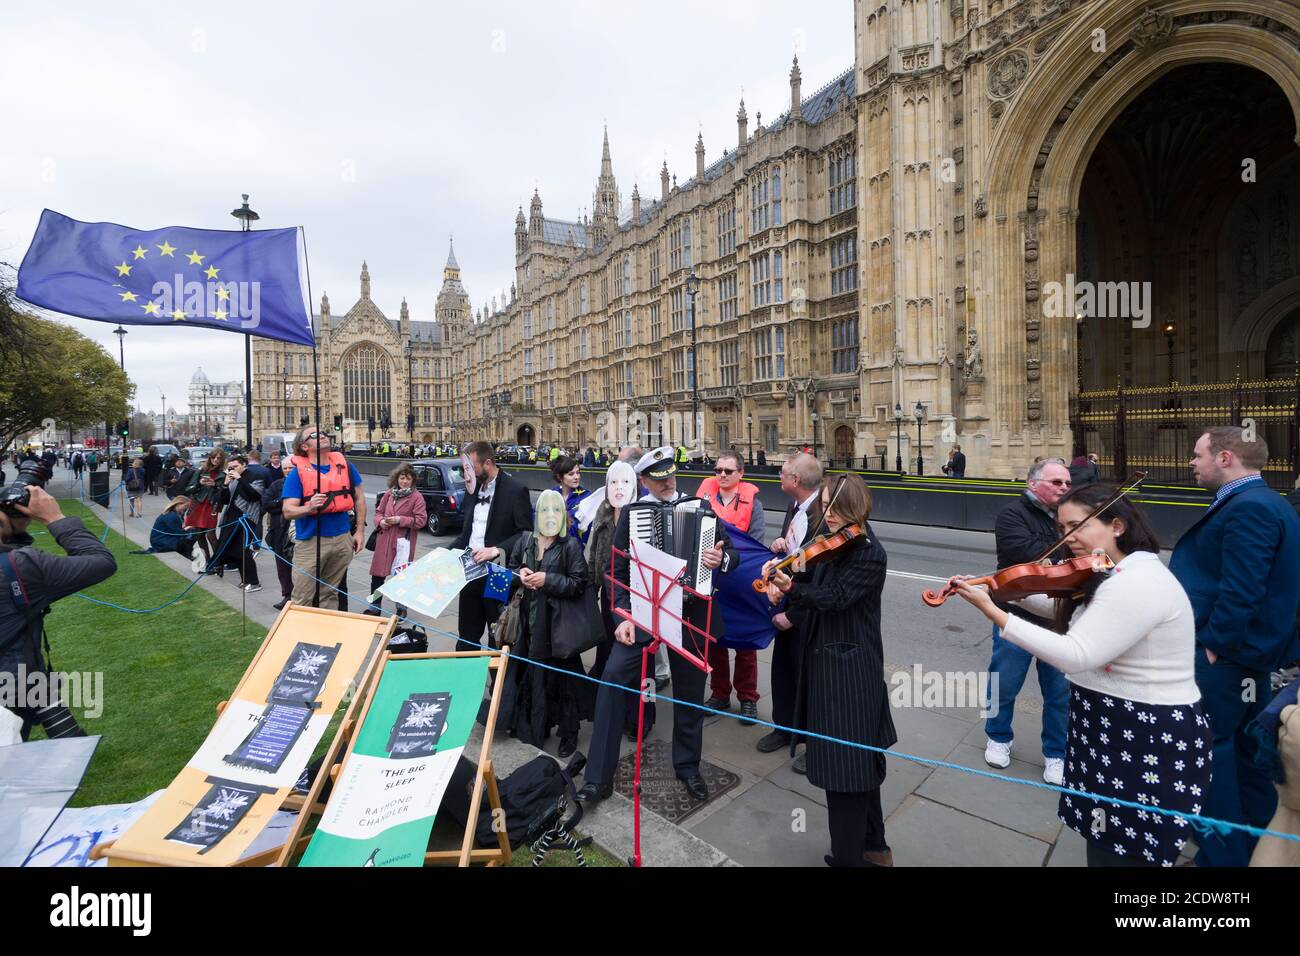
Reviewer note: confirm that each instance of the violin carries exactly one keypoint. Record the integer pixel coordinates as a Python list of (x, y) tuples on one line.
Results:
[(1064, 579), (1021, 580), (821, 548)]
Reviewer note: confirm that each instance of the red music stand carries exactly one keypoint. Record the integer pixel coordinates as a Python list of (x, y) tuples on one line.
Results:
[(661, 585)]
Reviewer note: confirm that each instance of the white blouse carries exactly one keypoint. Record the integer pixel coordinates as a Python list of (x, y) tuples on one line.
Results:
[(1135, 639)]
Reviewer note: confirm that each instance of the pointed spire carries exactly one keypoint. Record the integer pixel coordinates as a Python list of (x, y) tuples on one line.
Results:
[(742, 125), (663, 181), (699, 157), (796, 104), (451, 254), (606, 165), (324, 304), (365, 280)]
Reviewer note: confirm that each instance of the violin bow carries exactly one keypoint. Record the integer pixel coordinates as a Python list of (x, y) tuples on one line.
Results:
[(1130, 486), (839, 484)]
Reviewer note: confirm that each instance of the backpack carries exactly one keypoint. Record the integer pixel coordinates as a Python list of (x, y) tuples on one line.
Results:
[(528, 797)]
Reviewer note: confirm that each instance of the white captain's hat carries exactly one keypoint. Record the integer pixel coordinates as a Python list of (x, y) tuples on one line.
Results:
[(657, 464)]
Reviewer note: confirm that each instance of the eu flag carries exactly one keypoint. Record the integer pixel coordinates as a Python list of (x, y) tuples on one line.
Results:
[(497, 585), (246, 282), (748, 613)]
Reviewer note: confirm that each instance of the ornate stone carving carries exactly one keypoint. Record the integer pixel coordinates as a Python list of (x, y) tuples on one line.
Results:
[(1007, 73), (972, 361), (981, 206), (1034, 408), (1032, 372), (1153, 29)]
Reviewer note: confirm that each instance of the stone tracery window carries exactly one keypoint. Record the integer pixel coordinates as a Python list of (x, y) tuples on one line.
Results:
[(367, 384)]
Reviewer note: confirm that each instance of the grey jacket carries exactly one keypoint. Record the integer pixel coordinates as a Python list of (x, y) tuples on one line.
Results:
[(45, 578)]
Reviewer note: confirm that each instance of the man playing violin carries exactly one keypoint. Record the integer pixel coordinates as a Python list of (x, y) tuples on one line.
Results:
[(1024, 530)]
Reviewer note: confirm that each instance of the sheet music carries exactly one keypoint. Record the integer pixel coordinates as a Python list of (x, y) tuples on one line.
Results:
[(663, 588)]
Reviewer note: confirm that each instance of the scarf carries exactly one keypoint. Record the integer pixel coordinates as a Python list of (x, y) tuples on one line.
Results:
[(397, 494)]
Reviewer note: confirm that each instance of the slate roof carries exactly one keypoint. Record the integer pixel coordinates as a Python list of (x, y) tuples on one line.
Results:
[(558, 231)]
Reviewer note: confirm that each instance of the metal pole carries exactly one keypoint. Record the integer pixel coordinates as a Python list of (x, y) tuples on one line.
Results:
[(695, 379), (920, 468), (898, 442)]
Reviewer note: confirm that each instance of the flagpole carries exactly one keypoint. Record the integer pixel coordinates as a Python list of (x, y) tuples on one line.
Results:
[(315, 381), (245, 215)]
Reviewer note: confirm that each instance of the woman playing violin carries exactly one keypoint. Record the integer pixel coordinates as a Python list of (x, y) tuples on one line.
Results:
[(1136, 727), (841, 692)]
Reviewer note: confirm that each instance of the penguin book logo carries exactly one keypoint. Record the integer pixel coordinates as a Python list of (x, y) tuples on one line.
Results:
[(370, 860)]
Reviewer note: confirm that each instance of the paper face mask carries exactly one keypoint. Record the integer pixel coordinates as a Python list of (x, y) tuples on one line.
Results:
[(620, 484), (467, 469), (549, 520)]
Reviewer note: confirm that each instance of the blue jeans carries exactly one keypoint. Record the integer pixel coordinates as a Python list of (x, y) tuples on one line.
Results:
[(1011, 665)]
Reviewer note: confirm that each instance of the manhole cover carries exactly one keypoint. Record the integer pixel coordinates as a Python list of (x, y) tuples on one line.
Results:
[(661, 791)]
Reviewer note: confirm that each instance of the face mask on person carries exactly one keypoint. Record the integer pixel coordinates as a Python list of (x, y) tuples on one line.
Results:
[(549, 520), (471, 476), (620, 483)]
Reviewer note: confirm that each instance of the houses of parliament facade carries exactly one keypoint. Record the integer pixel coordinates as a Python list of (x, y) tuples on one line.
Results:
[(894, 246)]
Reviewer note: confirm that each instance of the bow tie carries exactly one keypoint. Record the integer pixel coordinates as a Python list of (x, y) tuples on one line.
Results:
[(484, 499)]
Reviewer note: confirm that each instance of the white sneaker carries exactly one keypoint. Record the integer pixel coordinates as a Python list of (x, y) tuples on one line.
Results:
[(997, 754), (1054, 771)]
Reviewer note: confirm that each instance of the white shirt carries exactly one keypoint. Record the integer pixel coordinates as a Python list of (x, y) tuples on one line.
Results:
[(798, 525), (481, 511), (1135, 639)]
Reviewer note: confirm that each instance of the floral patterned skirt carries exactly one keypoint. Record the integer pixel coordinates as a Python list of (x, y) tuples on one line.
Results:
[(1153, 754)]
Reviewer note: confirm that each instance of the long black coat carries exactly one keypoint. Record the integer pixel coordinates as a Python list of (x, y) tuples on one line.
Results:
[(842, 691)]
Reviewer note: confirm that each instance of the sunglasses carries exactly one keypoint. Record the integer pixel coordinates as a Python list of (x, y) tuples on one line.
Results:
[(724, 471), (1059, 482)]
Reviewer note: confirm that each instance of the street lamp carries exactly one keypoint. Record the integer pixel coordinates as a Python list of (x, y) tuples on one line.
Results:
[(1169, 329), (898, 438), (814, 430), (749, 427), (410, 395), (246, 218), (919, 412), (205, 409), (284, 391), (692, 287)]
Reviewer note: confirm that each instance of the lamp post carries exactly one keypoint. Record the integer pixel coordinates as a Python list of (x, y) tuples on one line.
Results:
[(246, 217), (1169, 329), (898, 438), (284, 392), (121, 359), (749, 427), (920, 414), (692, 287), (410, 395), (205, 409), (814, 430)]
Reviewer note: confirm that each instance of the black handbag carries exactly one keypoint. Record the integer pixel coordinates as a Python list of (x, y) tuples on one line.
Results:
[(578, 625), (370, 541)]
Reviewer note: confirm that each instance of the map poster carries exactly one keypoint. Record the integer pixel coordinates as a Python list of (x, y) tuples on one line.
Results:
[(429, 584), (384, 801)]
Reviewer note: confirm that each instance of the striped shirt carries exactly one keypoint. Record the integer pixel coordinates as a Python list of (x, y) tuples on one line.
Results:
[(1225, 490)]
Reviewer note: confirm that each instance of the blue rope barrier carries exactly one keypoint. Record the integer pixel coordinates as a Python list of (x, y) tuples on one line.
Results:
[(1210, 825)]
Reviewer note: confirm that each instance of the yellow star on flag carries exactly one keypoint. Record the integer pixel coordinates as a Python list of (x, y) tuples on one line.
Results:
[(127, 296), (196, 259), (139, 251), (223, 294), (220, 315), (178, 316), (211, 272), (166, 248), (123, 269), (151, 308)]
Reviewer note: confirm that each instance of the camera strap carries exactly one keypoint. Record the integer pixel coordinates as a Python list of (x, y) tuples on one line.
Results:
[(34, 620)]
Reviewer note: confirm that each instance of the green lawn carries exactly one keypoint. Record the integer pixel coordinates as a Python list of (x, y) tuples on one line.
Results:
[(163, 673)]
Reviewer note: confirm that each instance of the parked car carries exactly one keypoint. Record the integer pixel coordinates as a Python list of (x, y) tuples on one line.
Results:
[(360, 448), (442, 483)]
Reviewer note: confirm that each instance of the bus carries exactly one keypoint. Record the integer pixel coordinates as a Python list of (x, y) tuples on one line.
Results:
[(273, 442)]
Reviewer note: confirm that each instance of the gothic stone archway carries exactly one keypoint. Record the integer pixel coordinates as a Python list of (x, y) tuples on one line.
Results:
[(526, 435)]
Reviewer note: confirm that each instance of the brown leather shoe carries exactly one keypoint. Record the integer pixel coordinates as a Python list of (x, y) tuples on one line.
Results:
[(879, 857)]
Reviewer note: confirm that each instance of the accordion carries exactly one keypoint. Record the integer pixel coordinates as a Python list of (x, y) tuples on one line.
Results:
[(684, 529)]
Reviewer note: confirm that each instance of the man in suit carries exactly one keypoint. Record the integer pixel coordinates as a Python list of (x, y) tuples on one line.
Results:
[(498, 511), (801, 479), (659, 473), (1238, 565), (1023, 531)]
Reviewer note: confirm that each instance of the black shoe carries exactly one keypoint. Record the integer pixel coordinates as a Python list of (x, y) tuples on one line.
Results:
[(662, 682), (771, 743), (279, 605), (592, 793), (718, 703), (694, 784), (748, 713), (800, 765), (567, 746)]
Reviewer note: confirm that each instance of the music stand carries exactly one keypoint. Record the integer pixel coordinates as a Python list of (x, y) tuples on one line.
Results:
[(661, 585)]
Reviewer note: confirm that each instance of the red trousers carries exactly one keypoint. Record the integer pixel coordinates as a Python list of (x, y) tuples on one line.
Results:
[(746, 673)]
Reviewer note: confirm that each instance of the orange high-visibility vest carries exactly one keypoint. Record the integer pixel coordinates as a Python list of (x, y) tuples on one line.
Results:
[(336, 478)]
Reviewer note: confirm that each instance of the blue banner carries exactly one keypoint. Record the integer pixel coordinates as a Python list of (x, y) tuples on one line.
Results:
[(747, 613), (245, 282)]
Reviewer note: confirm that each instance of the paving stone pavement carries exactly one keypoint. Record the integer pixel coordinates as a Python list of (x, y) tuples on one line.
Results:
[(773, 817)]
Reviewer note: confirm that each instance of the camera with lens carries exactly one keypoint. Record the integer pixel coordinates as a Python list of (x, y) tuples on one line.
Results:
[(30, 472)]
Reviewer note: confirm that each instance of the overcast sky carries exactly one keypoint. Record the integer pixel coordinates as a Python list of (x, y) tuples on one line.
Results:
[(381, 128)]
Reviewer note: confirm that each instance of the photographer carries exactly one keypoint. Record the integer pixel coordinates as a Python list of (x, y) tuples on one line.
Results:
[(33, 581)]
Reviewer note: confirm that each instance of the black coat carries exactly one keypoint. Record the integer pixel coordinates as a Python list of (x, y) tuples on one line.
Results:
[(178, 480), (1023, 531), (277, 526), (510, 512), (153, 465), (842, 691), (534, 698)]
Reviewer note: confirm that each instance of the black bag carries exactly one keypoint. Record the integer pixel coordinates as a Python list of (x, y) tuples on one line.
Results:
[(527, 796), (578, 625), (370, 541)]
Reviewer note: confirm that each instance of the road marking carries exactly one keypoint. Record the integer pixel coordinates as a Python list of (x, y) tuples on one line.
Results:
[(917, 577)]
